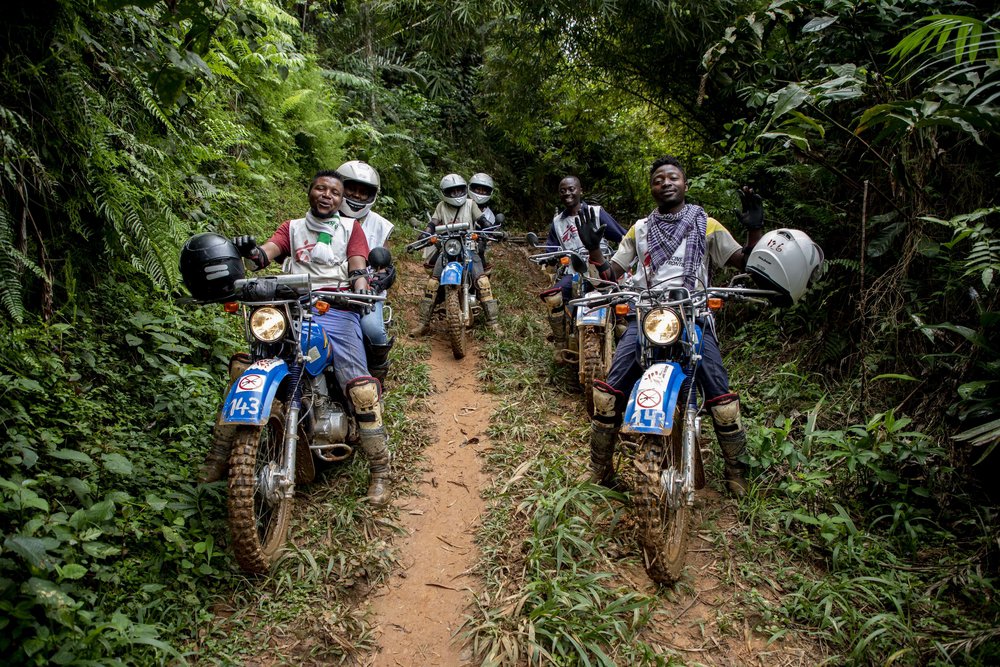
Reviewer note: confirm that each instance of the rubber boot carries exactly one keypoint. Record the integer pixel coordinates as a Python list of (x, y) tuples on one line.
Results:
[(427, 306), (491, 308), (217, 460), (378, 360), (603, 436), (732, 441), (557, 321), (364, 393)]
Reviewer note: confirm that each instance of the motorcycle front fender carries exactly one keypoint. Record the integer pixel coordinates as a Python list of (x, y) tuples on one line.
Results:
[(651, 406), (592, 316), (250, 398), (452, 274)]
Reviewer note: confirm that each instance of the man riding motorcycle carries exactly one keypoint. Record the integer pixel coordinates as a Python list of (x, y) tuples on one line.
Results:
[(564, 233), (361, 188), (333, 251), (674, 244), (455, 207), (481, 189)]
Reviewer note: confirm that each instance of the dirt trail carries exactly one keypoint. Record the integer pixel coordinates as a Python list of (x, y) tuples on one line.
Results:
[(423, 603)]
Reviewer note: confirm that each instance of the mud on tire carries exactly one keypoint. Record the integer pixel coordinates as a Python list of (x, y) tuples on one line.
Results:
[(258, 527), (596, 351), (453, 315), (663, 533)]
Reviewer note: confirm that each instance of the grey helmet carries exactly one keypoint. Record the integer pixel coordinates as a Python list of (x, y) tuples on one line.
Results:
[(483, 180), (454, 181), (357, 171), (785, 260)]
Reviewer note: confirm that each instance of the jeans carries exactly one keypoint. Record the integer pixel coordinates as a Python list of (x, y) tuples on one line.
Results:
[(626, 371), (343, 328), (373, 326)]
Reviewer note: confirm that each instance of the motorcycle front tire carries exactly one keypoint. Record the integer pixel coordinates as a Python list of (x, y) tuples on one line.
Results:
[(596, 350), (663, 532), (259, 525), (453, 316)]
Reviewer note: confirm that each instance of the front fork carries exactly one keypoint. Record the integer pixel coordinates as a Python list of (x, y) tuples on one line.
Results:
[(284, 482), (678, 485)]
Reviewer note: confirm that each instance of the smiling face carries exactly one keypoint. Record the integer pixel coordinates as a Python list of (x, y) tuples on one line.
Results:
[(571, 193), (325, 195), (668, 185)]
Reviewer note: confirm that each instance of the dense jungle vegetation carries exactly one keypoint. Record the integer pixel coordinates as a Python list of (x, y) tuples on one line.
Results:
[(126, 126)]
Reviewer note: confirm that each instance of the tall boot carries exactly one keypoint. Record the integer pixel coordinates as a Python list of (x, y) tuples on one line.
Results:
[(732, 441), (603, 436), (378, 360), (364, 393), (557, 319), (217, 460), (427, 306), (491, 308)]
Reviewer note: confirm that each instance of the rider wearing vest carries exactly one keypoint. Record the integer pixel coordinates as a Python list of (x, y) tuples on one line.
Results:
[(334, 252), (456, 207), (564, 233), (361, 188), (676, 243)]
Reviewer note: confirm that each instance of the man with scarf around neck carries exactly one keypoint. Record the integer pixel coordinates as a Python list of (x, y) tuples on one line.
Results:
[(674, 244), (334, 252), (563, 233)]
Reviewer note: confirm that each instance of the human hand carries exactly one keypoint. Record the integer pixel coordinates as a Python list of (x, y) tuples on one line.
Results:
[(752, 215), (590, 228), (247, 247), (383, 279)]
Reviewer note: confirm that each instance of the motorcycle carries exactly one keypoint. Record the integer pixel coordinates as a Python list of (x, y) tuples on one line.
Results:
[(458, 245), (590, 332), (285, 426), (662, 414)]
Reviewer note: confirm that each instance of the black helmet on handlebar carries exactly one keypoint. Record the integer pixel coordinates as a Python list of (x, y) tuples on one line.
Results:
[(210, 266)]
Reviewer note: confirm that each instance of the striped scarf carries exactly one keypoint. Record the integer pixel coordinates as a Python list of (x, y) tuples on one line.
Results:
[(666, 232)]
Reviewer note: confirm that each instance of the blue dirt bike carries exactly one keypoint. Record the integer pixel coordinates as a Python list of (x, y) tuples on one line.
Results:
[(661, 427), (458, 245), (590, 332), (287, 409)]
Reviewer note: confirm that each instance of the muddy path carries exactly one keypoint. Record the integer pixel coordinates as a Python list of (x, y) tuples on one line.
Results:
[(416, 614)]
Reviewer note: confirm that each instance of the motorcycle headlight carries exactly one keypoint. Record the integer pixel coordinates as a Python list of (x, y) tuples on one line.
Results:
[(268, 324), (453, 247), (661, 326)]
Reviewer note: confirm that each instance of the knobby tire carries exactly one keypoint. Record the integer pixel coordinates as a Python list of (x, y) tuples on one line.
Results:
[(259, 528), (596, 350), (663, 533), (456, 327)]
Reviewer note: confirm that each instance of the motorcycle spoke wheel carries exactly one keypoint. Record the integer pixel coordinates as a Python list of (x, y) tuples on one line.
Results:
[(259, 524), (456, 328), (663, 532)]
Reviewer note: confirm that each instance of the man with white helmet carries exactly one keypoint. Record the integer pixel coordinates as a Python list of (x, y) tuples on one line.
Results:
[(456, 207), (675, 244), (361, 188), (481, 189)]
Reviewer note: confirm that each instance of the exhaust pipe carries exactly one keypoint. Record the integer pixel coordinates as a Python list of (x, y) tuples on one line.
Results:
[(332, 453)]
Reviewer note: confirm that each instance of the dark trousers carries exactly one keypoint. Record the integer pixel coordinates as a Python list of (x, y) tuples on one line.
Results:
[(626, 371)]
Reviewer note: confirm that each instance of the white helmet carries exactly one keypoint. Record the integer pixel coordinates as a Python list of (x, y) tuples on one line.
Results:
[(454, 181), (785, 260), (483, 180), (356, 171)]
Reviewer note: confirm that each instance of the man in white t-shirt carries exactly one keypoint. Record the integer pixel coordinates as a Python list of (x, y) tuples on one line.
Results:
[(675, 244)]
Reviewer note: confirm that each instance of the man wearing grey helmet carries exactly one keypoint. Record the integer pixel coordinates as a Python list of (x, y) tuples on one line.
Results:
[(361, 188), (456, 207)]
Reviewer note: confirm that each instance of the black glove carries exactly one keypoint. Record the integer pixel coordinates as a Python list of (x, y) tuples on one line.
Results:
[(482, 221), (590, 228), (752, 215), (432, 225), (247, 247), (383, 279)]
